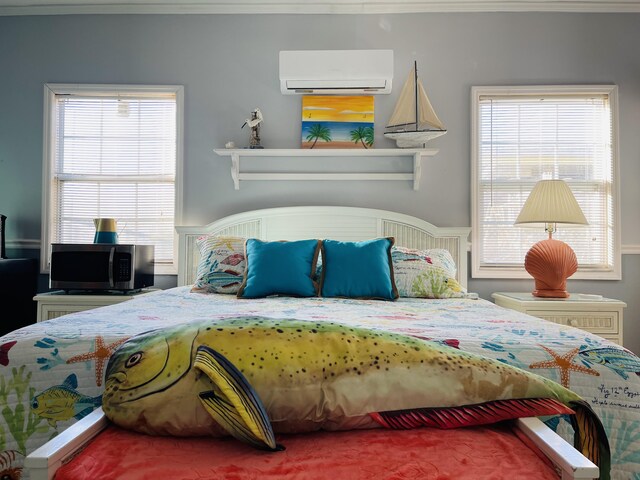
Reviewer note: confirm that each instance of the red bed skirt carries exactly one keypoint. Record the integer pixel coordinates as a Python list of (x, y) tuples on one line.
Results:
[(474, 453)]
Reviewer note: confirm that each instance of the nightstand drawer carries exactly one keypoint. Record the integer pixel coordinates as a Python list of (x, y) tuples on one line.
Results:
[(600, 323)]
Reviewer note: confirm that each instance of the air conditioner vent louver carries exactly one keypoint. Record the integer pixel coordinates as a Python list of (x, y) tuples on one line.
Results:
[(336, 72)]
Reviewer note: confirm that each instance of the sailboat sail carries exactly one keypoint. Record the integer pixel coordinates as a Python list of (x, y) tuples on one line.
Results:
[(402, 125), (427, 114)]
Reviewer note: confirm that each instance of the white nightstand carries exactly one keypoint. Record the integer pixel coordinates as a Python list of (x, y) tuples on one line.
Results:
[(57, 303), (602, 316)]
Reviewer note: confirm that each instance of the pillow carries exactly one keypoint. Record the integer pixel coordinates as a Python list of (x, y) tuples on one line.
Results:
[(358, 269), (425, 273), (280, 268), (222, 264)]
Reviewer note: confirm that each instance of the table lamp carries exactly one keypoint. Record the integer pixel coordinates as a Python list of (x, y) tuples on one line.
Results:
[(550, 262)]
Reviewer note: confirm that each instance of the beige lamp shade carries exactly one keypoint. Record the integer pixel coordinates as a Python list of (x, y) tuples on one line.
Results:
[(550, 262), (551, 201)]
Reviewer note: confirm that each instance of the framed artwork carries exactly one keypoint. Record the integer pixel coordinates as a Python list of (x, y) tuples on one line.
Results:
[(336, 121)]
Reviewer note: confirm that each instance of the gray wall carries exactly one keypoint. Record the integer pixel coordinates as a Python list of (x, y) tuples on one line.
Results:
[(228, 65)]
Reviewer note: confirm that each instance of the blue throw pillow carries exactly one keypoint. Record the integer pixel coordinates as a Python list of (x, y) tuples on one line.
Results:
[(358, 269), (280, 268)]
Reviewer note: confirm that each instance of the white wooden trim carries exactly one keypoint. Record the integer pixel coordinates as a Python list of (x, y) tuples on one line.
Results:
[(631, 249), (47, 152), (34, 244), (237, 154), (571, 462), (178, 211), (23, 243), (339, 223), (43, 462), (53, 7)]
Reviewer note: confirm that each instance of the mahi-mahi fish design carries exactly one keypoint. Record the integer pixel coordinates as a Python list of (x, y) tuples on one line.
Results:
[(250, 377)]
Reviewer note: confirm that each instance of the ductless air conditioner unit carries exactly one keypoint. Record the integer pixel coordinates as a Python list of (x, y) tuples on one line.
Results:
[(342, 72)]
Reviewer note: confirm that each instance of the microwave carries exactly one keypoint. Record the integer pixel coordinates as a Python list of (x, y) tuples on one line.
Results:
[(101, 266)]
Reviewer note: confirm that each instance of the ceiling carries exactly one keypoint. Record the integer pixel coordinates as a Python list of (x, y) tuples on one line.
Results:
[(61, 7)]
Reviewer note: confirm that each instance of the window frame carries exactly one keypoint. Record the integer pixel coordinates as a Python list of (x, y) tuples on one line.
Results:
[(51, 90), (480, 271)]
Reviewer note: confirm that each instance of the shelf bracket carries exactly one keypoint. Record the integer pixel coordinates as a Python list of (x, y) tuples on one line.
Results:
[(235, 170), (417, 170)]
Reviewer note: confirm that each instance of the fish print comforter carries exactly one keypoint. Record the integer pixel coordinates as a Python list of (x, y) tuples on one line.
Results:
[(52, 373)]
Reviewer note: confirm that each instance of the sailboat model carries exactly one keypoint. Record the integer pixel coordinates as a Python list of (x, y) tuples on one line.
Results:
[(413, 104)]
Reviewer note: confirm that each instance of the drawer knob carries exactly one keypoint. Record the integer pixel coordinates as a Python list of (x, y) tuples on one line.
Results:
[(573, 322)]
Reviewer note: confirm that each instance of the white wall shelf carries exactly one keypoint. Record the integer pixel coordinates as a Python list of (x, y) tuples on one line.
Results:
[(237, 153)]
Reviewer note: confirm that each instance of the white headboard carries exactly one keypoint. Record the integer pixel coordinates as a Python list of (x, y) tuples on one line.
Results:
[(337, 223)]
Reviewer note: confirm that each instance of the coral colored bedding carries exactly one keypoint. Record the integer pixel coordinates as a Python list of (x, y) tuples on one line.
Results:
[(494, 452)]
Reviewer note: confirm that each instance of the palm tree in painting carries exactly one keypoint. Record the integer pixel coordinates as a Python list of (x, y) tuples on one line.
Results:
[(318, 132), (363, 135)]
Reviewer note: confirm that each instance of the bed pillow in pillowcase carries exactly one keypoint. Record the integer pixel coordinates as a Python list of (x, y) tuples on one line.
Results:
[(222, 264), (358, 269), (280, 268), (425, 273)]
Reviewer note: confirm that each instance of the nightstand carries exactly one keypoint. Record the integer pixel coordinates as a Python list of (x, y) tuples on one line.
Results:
[(57, 303), (601, 316)]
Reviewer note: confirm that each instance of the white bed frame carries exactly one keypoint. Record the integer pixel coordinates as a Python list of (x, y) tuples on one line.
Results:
[(297, 223), (337, 223), (46, 460)]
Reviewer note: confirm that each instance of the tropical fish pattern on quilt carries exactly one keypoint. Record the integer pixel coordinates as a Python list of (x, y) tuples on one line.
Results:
[(38, 355), (63, 402)]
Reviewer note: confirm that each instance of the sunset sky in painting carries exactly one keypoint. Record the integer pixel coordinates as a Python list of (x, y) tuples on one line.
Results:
[(330, 108)]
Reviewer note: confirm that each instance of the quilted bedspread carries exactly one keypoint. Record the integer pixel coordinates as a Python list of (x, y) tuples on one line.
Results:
[(52, 373)]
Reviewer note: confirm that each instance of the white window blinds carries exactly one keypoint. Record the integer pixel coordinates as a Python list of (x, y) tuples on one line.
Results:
[(524, 136), (113, 154)]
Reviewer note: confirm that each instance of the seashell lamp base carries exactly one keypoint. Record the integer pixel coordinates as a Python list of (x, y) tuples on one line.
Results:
[(550, 262)]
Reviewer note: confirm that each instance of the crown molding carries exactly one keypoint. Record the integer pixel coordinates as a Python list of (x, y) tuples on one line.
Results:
[(73, 7)]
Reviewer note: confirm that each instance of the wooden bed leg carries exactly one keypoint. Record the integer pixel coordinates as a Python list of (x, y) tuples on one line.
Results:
[(43, 462), (572, 463)]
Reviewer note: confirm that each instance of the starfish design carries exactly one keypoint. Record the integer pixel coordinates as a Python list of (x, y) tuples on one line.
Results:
[(100, 354), (224, 242), (563, 363)]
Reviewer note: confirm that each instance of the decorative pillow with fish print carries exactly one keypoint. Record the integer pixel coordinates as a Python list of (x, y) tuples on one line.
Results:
[(425, 273), (222, 264)]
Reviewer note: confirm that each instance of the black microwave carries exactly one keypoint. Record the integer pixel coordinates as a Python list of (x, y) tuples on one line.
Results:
[(101, 266)]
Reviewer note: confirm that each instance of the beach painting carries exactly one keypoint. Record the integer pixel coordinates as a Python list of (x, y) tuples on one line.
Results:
[(336, 121)]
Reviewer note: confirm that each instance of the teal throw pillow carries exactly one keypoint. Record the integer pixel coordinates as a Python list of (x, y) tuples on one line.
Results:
[(361, 270), (280, 268)]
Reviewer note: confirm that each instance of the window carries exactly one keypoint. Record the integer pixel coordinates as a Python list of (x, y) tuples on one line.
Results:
[(113, 151), (524, 134)]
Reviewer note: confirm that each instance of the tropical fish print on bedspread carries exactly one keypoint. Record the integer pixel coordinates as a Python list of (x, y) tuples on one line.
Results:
[(37, 355), (63, 402), (254, 375)]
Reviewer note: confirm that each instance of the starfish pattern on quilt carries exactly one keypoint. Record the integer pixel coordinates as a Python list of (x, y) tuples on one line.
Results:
[(100, 354), (564, 364)]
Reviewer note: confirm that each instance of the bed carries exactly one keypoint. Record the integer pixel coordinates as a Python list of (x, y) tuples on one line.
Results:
[(61, 362)]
